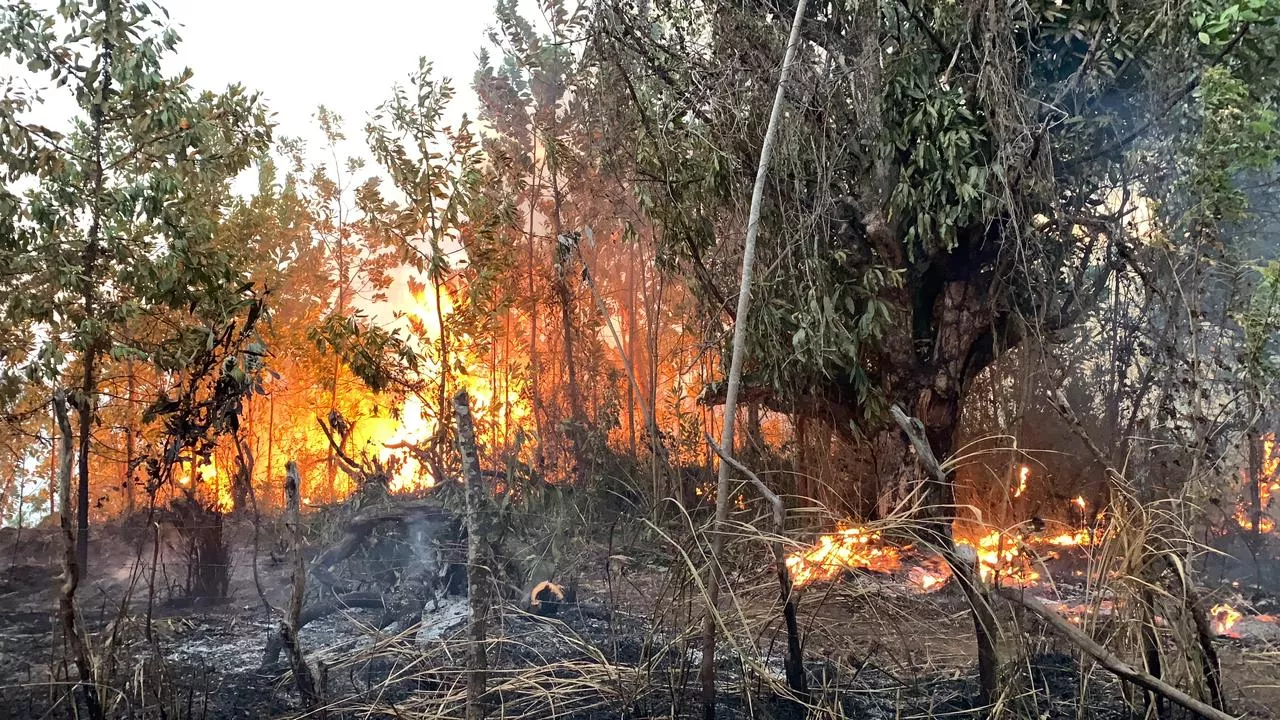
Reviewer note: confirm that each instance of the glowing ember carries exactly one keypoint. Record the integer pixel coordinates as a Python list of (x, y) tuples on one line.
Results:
[(1023, 473), (1224, 617), (849, 548)]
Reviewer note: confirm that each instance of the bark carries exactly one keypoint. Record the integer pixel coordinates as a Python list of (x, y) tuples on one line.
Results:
[(86, 690), (707, 673), (794, 664), (478, 583), (302, 675)]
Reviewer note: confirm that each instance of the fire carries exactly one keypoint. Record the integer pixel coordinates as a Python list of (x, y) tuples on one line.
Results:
[(1079, 502), (1079, 537), (930, 576), (492, 403), (1024, 472), (1267, 486), (211, 484), (849, 548), (1000, 557), (1224, 617)]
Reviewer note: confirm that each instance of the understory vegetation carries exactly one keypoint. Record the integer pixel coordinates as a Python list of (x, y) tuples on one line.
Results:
[(752, 359)]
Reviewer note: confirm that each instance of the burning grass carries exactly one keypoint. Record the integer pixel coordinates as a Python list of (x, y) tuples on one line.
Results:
[(1006, 558)]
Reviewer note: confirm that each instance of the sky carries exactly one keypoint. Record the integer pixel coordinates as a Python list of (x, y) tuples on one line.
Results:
[(344, 54)]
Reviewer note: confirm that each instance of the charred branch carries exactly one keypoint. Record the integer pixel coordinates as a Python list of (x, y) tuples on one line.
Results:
[(938, 536)]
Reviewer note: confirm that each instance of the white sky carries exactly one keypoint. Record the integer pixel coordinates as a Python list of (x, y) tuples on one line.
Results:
[(345, 55), (300, 54)]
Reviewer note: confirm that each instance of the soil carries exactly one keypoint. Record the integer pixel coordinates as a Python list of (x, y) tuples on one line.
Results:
[(626, 648)]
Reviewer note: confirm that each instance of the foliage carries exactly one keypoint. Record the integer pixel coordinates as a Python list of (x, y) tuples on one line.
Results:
[(109, 245)]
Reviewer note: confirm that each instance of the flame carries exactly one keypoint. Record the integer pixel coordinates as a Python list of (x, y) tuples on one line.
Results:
[(1079, 537), (848, 548), (1000, 557), (1224, 617), (211, 484), (1024, 472), (1079, 502), (423, 311), (1270, 467), (930, 576)]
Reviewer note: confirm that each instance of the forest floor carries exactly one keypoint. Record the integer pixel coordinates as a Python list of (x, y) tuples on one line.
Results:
[(878, 649)]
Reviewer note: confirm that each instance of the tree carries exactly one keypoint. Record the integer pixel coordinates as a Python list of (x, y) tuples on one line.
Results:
[(954, 179), (123, 201)]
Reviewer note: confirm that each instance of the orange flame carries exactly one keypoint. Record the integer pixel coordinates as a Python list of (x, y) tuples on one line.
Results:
[(849, 548), (1024, 472), (1270, 466), (1000, 557), (1224, 617), (1079, 537), (930, 576)]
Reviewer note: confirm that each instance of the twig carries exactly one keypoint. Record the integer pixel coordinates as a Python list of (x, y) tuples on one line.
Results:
[(795, 653)]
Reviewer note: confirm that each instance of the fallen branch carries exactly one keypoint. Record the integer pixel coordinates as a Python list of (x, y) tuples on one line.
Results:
[(1191, 602), (359, 527), (794, 664), (1108, 660), (343, 598), (316, 611)]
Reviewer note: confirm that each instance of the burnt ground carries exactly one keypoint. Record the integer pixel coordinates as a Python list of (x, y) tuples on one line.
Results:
[(628, 648)]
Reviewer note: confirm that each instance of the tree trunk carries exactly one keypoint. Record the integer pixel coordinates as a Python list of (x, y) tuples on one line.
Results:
[(89, 258), (477, 557), (130, 447), (302, 675), (86, 690)]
